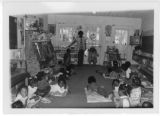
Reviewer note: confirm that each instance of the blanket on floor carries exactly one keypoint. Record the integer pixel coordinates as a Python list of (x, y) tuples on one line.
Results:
[(94, 97)]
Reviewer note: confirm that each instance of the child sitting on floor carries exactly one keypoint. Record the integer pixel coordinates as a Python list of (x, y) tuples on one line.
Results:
[(22, 95), (126, 70), (115, 86), (17, 104), (59, 89), (135, 94), (123, 101), (32, 88), (43, 86), (60, 69)]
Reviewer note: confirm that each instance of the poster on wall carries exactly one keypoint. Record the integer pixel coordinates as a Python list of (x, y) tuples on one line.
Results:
[(108, 30), (52, 28)]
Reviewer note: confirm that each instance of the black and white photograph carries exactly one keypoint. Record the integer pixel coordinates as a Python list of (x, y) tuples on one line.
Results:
[(81, 59)]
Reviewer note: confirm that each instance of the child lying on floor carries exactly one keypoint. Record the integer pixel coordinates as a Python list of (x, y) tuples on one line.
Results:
[(93, 87), (60, 88)]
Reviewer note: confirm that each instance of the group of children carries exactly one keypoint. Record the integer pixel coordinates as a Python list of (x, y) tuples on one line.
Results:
[(127, 88), (39, 88), (51, 81)]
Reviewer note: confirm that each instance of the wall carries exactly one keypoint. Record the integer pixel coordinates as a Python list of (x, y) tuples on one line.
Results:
[(129, 24), (148, 23)]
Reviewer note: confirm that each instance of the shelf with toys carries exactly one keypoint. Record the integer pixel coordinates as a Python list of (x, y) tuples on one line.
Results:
[(145, 61), (60, 51)]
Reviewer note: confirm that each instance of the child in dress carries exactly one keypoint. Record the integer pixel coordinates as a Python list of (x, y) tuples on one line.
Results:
[(17, 104), (22, 95), (135, 94), (60, 88), (123, 97)]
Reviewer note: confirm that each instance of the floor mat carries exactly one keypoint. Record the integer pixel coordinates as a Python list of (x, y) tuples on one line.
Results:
[(93, 97)]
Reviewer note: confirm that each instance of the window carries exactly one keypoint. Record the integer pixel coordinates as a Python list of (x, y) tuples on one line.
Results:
[(121, 36), (66, 34)]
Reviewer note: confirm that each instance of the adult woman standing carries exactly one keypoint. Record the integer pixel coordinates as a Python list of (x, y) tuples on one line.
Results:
[(81, 44)]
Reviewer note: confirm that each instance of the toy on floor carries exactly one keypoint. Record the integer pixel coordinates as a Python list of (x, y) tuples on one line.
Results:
[(46, 100)]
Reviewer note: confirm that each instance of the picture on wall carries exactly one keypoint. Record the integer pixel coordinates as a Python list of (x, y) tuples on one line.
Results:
[(52, 28), (108, 30)]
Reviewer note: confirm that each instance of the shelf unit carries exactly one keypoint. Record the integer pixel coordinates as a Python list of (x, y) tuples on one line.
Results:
[(60, 51), (146, 64)]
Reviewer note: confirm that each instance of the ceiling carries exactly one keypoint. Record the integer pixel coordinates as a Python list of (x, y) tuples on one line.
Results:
[(129, 14)]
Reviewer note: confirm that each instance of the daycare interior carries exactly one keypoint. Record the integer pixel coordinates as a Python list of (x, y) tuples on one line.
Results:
[(82, 60)]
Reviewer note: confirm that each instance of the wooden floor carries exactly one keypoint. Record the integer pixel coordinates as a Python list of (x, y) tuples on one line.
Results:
[(77, 83)]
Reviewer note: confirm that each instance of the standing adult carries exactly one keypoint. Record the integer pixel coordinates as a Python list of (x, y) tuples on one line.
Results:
[(81, 44)]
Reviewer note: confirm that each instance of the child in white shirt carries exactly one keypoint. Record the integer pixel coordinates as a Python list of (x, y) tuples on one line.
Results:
[(115, 86), (126, 69), (135, 94), (32, 88), (59, 89), (123, 97), (22, 95)]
